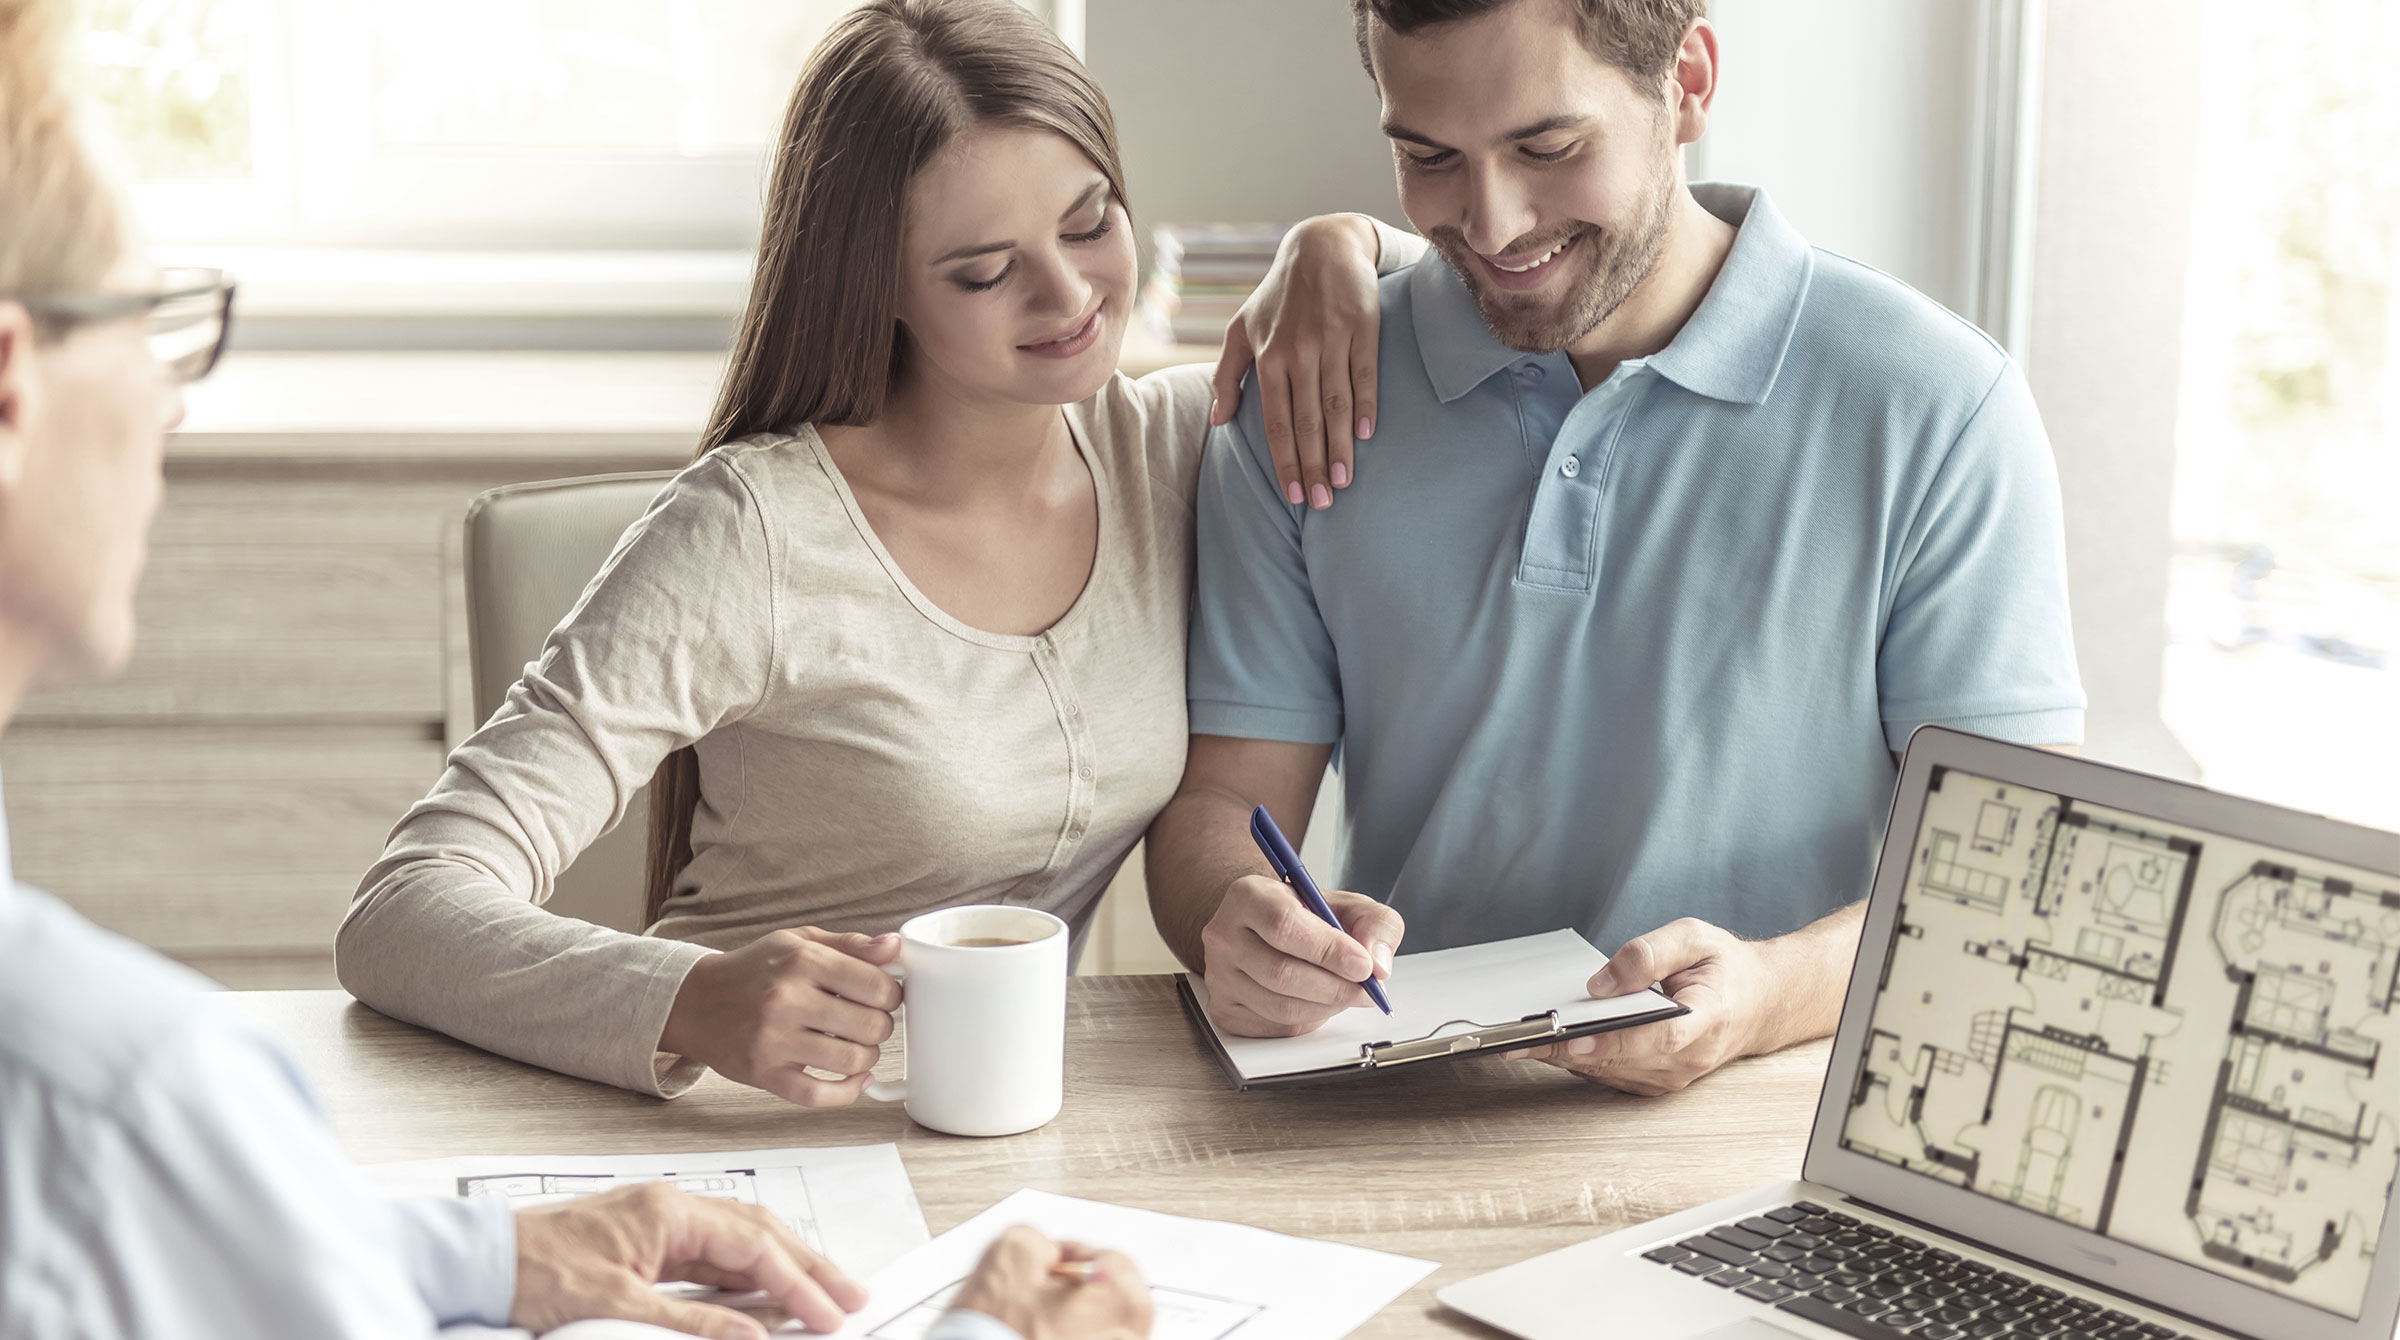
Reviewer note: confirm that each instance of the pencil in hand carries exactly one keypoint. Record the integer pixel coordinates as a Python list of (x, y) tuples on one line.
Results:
[(1081, 1272)]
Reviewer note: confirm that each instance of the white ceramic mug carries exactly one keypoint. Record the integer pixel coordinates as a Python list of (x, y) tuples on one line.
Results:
[(986, 1024)]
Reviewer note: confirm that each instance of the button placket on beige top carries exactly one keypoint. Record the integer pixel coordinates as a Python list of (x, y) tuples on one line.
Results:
[(1083, 767), (1083, 771)]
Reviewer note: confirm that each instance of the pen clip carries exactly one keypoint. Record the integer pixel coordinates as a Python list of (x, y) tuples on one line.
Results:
[(1267, 847)]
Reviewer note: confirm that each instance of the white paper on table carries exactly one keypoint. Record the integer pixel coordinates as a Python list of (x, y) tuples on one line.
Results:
[(1449, 991), (853, 1203), (1209, 1280)]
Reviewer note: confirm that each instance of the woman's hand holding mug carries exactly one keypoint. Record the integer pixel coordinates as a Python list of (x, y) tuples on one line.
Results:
[(987, 1019), (786, 1003)]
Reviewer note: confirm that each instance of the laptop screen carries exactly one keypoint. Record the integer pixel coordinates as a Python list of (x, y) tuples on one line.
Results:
[(2177, 1039)]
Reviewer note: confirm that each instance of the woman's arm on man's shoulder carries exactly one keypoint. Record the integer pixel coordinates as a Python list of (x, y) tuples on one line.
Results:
[(1312, 327)]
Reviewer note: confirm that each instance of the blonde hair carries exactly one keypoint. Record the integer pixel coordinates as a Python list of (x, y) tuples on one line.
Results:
[(62, 225)]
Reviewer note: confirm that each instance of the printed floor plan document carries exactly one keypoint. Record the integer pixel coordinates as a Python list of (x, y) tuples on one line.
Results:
[(1208, 1280), (2161, 1034), (853, 1203), (1176, 1315)]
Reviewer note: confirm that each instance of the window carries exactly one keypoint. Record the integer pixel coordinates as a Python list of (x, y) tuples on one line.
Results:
[(482, 123), (2283, 664)]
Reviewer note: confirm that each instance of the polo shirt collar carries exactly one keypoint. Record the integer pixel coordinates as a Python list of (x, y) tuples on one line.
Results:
[(1731, 349), (1733, 346), (1459, 350)]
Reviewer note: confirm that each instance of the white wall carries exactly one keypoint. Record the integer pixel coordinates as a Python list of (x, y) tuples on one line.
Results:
[(1853, 113), (1855, 116), (1240, 110), (2112, 243)]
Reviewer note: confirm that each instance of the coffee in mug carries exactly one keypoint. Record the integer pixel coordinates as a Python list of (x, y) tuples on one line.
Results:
[(984, 997)]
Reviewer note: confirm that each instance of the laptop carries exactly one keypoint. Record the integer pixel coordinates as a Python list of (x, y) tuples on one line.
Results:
[(2120, 1060)]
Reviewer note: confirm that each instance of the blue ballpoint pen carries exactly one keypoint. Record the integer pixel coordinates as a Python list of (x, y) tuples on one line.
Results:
[(1280, 855)]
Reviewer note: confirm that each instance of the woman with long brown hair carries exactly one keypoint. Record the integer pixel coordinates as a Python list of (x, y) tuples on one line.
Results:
[(908, 634)]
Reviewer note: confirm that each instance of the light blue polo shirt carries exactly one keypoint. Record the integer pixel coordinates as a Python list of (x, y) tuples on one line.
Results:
[(1604, 659)]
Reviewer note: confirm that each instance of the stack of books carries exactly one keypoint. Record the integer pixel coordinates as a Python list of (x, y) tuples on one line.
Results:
[(1205, 272)]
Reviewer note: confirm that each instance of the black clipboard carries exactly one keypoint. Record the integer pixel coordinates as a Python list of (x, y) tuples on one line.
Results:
[(1478, 1039)]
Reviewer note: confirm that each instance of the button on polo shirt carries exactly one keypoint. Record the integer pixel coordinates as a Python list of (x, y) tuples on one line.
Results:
[(1603, 658)]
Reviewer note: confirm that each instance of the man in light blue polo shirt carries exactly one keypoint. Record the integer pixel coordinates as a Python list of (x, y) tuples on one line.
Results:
[(1676, 529)]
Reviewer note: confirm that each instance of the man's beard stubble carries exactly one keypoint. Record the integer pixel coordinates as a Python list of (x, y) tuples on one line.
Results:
[(1613, 267)]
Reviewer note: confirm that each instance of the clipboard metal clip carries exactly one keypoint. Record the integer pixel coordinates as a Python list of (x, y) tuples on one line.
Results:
[(1532, 1028)]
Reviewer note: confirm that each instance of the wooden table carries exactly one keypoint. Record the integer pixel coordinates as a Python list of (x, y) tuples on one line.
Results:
[(1473, 1164)]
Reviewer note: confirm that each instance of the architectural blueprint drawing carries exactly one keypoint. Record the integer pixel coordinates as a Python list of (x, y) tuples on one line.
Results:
[(855, 1203), (1209, 1280), (783, 1189), (2165, 1035), (1176, 1315)]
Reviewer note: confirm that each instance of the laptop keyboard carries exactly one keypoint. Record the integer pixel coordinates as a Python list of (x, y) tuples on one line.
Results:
[(1871, 1283)]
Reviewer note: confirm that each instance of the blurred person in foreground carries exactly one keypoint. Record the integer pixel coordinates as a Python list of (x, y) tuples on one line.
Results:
[(163, 1169)]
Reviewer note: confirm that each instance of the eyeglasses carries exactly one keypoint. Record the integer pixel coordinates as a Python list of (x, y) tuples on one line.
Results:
[(190, 313)]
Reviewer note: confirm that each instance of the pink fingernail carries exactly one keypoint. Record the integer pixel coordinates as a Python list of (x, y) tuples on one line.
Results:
[(1291, 493), (1321, 497), (1366, 429), (1341, 475)]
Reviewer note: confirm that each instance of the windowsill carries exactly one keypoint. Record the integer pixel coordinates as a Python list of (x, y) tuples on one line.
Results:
[(641, 409), (296, 283), (646, 408)]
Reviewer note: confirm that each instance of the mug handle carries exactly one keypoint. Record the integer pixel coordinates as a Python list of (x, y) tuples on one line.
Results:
[(893, 1090)]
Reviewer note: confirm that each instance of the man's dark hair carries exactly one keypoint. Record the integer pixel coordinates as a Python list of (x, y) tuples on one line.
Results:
[(1639, 37)]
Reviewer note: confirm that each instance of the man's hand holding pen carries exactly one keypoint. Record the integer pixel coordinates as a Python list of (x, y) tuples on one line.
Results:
[(1049, 1290), (1284, 956), (1276, 971)]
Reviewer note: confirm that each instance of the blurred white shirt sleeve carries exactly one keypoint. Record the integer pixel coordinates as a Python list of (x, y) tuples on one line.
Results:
[(956, 1324), (213, 1202)]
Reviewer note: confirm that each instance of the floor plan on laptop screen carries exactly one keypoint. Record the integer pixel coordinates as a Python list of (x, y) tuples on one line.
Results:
[(2171, 1037)]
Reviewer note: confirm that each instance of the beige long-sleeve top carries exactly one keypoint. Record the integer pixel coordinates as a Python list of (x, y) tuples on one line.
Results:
[(863, 756)]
